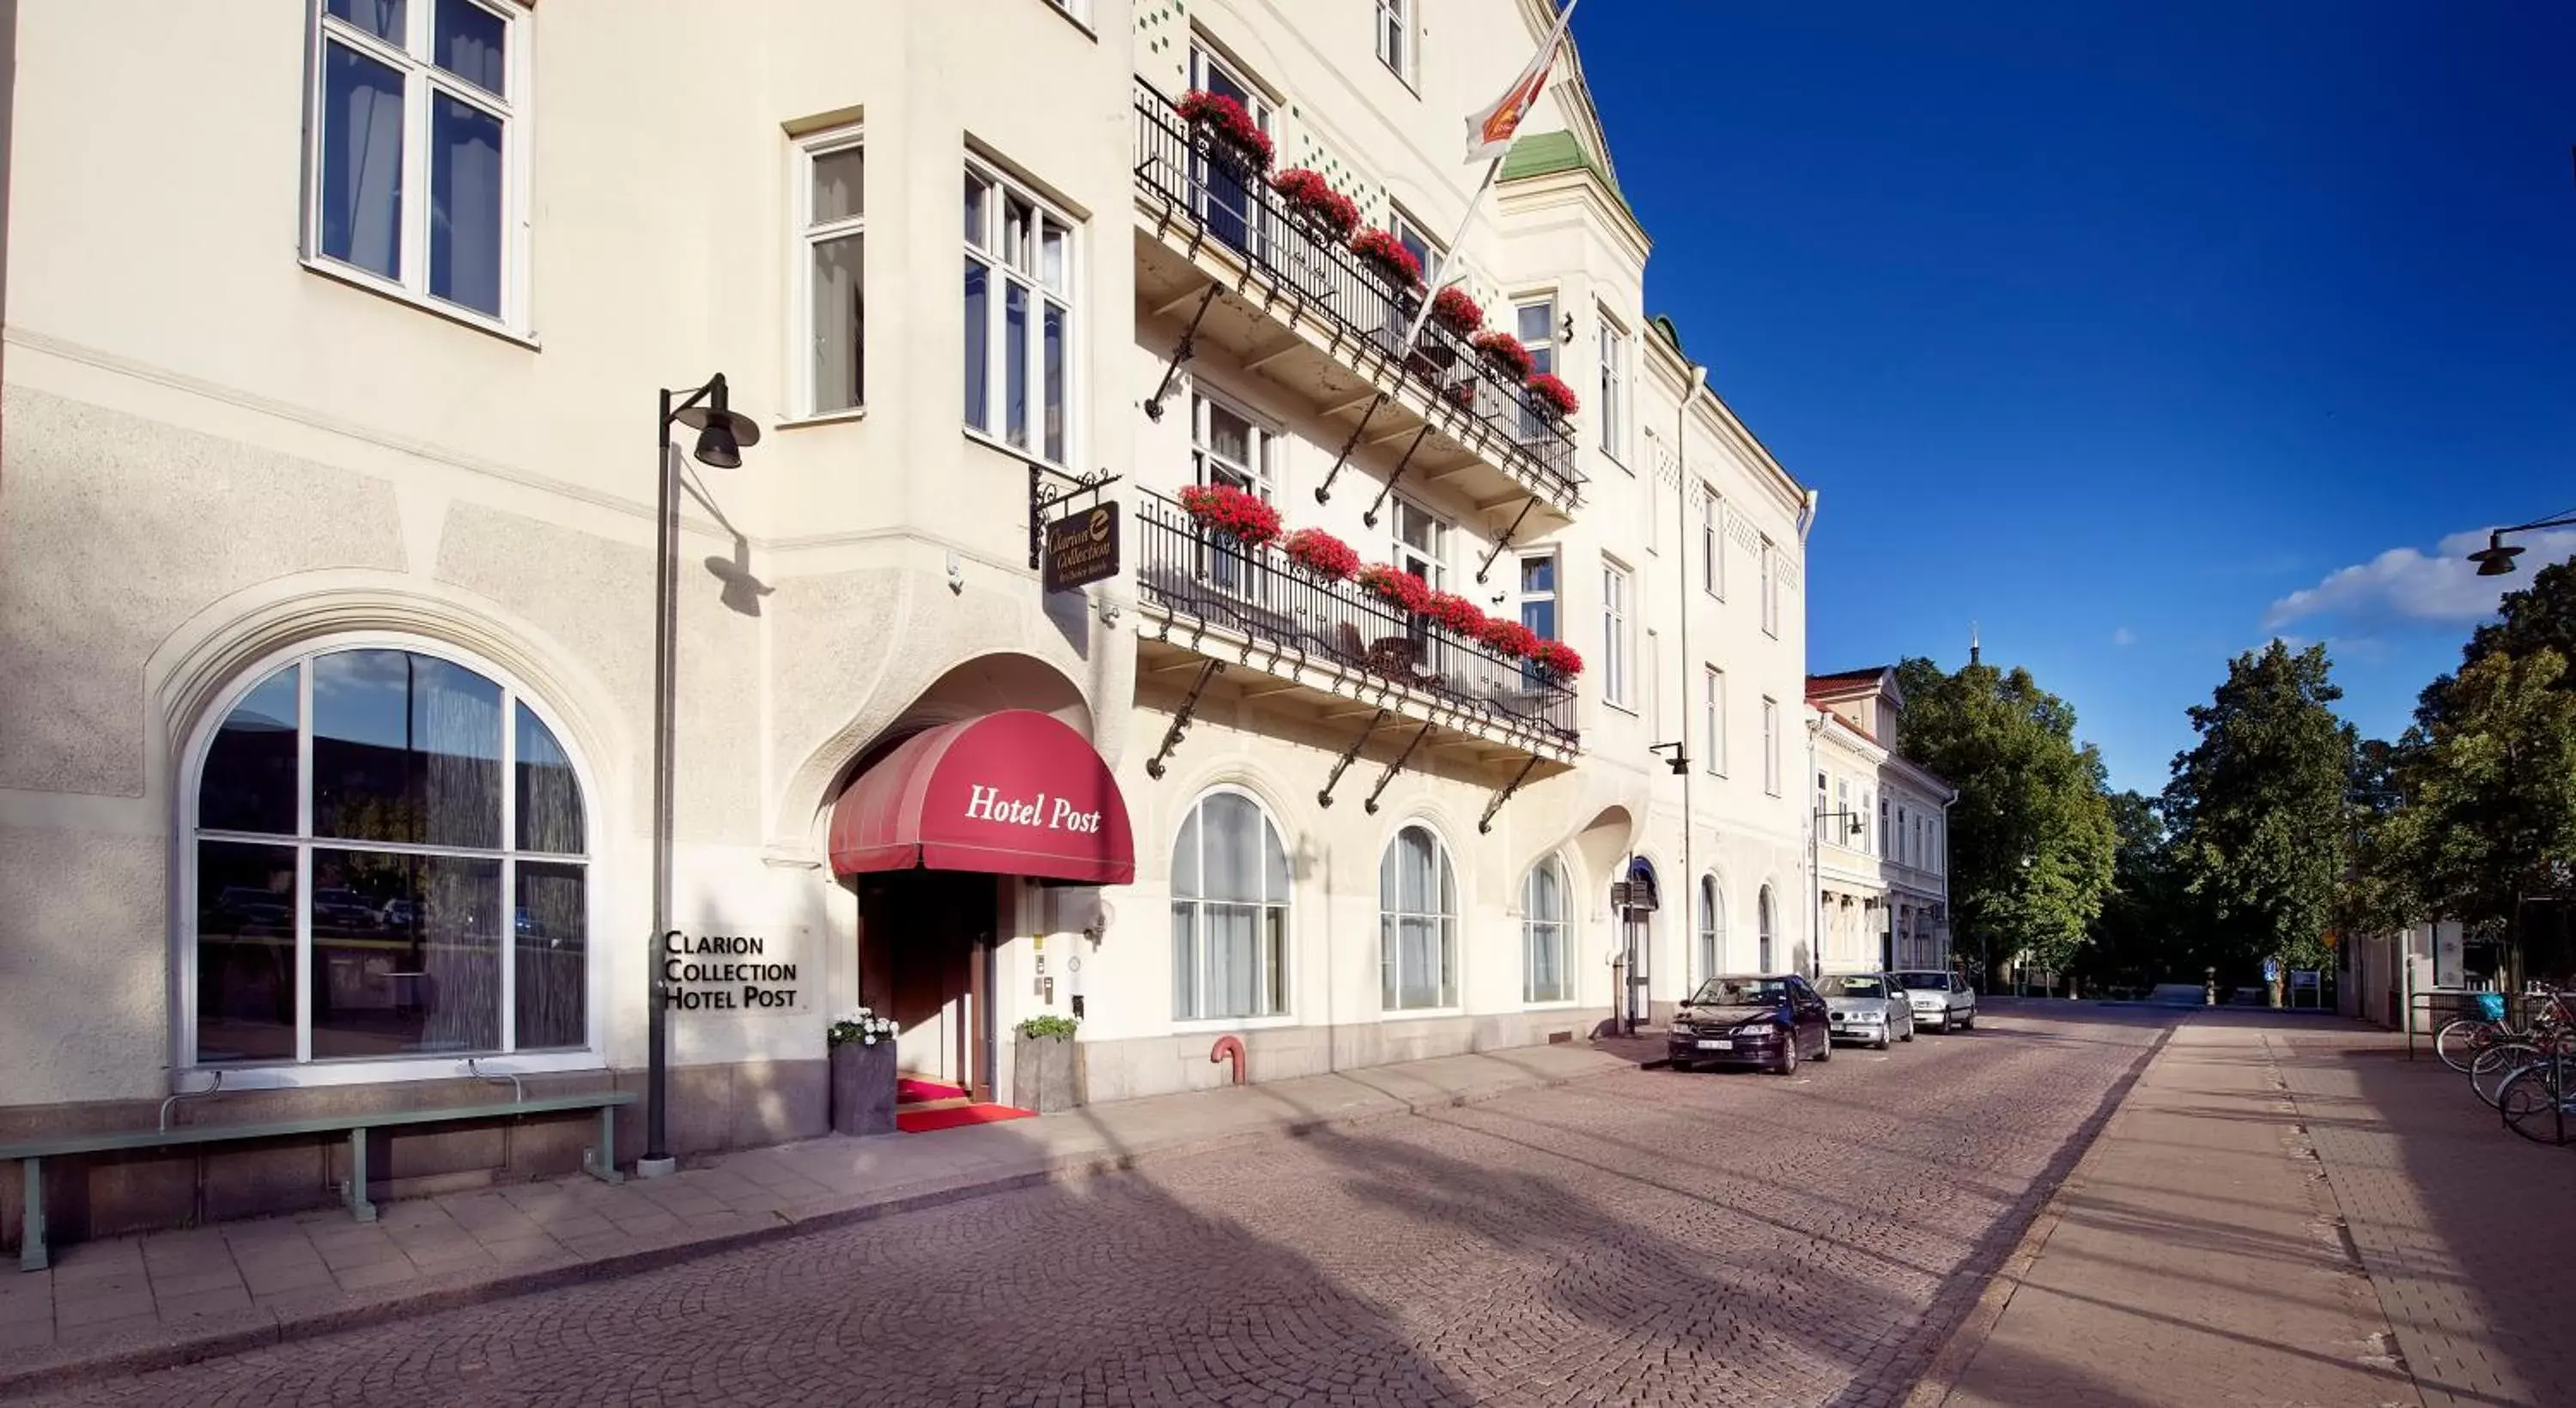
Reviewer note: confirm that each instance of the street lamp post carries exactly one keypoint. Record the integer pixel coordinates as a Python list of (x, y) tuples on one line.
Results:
[(2496, 558), (722, 434)]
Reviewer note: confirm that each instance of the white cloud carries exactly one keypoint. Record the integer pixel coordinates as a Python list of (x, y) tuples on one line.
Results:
[(2406, 585), (2124, 637)]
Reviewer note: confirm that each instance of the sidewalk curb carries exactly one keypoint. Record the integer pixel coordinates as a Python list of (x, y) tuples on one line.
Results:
[(351, 1311), (1967, 1337)]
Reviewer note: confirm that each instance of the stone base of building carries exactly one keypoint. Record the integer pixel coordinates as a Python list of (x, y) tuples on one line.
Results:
[(1129, 1069), (713, 1108)]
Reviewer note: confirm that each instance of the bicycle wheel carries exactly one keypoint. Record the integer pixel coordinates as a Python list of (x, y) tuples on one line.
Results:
[(2462, 1038), (2535, 1107), (2500, 1063)]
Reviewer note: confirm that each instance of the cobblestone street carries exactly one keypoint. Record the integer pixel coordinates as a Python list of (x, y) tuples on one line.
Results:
[(1649, 1237)]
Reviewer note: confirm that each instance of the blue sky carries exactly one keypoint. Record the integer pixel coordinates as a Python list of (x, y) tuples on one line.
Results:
[(2135, 334)]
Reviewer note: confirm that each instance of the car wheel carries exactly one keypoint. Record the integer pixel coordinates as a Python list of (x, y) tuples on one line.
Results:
[(1789, 1057), (1882, 1042), (1909, 1033), (1825, 1052)]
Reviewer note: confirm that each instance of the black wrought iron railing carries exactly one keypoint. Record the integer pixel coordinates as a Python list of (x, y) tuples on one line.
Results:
[(1260, 592), (1237, 208)]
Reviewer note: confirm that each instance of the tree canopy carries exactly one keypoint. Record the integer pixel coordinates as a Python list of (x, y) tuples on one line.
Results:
[(2486, 811)]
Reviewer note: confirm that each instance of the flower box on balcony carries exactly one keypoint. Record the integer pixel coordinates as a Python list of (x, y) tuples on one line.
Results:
[(1226, 510), (1321, 556), (1315, 201), (1454, 613), (1551, 397), (1386, 255), (1233, 136), (1395, 586), (1505, 354), (1451, 308), (1557, 659), (1509, 638)]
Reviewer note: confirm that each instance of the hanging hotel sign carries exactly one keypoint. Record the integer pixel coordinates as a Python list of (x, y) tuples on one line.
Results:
[(1082, 549), (725, 973)]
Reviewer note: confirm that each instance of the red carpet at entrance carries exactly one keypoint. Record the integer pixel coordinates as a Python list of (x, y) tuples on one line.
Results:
[(913, 1090), (924, 1121)]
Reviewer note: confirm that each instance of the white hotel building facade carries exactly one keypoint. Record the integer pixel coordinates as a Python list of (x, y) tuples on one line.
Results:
[(327, 545)]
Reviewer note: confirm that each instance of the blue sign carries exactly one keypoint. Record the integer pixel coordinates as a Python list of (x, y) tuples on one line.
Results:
[(2271, 970)]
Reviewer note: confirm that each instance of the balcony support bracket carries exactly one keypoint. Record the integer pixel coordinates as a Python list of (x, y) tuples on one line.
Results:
[(1325, 797), (1324, 491), (1485, 823), (1505, 540), (1370, 806), (1181, 718), (1187, 349), (1370, 517)]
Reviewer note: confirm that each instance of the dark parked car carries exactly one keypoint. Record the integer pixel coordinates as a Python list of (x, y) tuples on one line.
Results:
[(1771, 1021)]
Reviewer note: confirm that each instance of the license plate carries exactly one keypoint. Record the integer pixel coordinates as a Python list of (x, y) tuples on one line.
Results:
[(1717, 1046)]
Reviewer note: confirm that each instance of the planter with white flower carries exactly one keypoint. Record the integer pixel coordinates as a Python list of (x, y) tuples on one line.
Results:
[(1046, 1070), (863, 1074)]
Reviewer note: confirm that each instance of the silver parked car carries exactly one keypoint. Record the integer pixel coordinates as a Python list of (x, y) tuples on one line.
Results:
[(1942, 1001), (1867, 1007)]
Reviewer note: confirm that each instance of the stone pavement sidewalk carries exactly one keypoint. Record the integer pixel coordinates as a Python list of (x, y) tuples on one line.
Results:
[(2286, 1212), (137, 1302)]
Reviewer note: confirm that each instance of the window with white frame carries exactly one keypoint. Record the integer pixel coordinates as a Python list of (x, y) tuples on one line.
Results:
[(1230, 888), (1770, 591), (1712, 544), (1417, 923), (1866, 806), (1762, 919), (1535, 324), (1712, 928), (1420, 542), (1902, 820), (1617, 669), (1409, 233), (1712, 718), (1771, 746), (1883, 836), (418, 149), (1395, 37), (830, 266), (387, 857), (1230, 448), (1019, 317), (1614, 390), (1225, 192), (1545, 915), (1538, 594)]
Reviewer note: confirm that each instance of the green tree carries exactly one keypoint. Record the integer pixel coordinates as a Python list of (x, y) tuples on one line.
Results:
[(2135, 938), (2261, 834), (2031, 838), (2539, 616)]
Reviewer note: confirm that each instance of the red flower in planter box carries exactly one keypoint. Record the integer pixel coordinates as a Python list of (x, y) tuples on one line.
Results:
[(1509, 638), (1226, 118), (1451, 308), (1322, 555), (1552, 396), (1455, 612), (1395, 586), (1386, 254), (1222, 508), (1309, 194), (1557, 658), (1506, 352)]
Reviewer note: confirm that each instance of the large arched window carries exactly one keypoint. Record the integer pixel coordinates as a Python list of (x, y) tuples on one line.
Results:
[(387, 859), (1229, 911), (1712, 928), (1417, 923), (1546, 975), (1762, 918)]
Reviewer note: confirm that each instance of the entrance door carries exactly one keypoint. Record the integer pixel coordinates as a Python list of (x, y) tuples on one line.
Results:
[(925, 960)]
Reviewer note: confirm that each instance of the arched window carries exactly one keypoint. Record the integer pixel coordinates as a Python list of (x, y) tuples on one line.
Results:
[(1229, 911), (387, 859), (1417, 923), (1546, 975), (1762, 918), (1712, 928)]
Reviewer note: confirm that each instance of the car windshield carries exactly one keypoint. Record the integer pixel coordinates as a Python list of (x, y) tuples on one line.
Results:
[(1855, 985), (1741, 992), (1925, 982)]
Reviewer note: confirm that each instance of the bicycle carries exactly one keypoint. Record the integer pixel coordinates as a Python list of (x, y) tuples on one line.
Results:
[(2506, 1059), (2462, 1040), (2538, 1102)]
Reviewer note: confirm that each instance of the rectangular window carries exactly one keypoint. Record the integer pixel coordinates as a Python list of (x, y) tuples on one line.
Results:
[(1843, 818), (418, 149), (830, 263), (1712, 545), (1900, 857), (1882, 827), (1771, 746), (1408, 232), (1019, 319), (1770, 591), (1538, 594), (1617, 686), (1712, 719), (1535, 325), (1230, 448), (1395, 37), (1614, 391), (1224, 191), (1421, 543)]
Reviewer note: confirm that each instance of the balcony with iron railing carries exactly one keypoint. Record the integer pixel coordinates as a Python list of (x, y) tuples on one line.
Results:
[(1307, 312), (1216, 597)]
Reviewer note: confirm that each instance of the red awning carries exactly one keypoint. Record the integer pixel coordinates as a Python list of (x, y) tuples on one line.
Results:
[(1013, 793)]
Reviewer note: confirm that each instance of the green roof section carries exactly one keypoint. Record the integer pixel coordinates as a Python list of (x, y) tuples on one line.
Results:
[(1551, 153), (1664, 325)]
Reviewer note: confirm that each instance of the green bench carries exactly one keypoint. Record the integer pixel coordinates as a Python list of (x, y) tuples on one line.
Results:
[(31, 1154)]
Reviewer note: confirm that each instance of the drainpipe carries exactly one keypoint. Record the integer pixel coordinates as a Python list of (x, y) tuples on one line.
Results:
[(1681, 556)]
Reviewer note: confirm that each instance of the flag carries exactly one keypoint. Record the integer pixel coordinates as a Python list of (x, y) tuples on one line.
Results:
[(1489, 133)]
